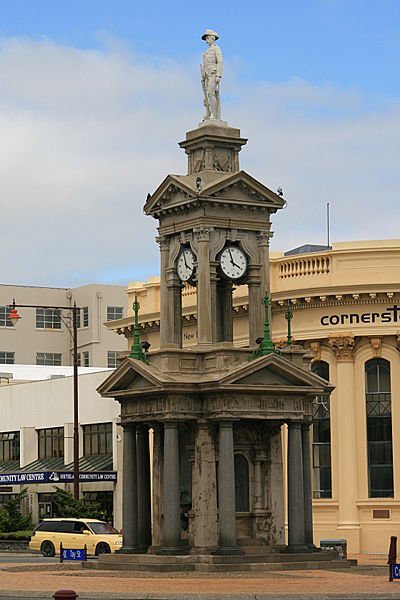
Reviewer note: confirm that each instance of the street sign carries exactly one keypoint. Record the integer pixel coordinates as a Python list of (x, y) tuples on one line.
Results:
[(396, 571), (73, 554)]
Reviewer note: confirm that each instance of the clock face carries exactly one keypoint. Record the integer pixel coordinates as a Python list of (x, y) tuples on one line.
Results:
[(185, 265), (233, 262)]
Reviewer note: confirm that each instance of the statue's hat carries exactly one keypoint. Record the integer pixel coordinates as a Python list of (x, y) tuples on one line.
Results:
[(209, 32)]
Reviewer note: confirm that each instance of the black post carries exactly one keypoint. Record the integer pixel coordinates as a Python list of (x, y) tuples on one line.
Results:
[(392, 557), (76, 404)]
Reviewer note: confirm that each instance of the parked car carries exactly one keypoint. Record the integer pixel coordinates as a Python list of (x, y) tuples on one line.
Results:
[(98, 536)]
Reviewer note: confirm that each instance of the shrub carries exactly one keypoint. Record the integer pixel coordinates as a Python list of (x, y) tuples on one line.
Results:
[(65, 505), (11, 517)]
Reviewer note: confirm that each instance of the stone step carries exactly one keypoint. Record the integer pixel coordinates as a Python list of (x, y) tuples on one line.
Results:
[(156, 559), (203, 567)]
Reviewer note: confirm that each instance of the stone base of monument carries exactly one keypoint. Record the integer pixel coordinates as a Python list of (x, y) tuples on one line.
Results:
[(212, 563)]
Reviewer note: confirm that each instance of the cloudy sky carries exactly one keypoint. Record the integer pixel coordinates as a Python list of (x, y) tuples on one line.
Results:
[(95, 95)]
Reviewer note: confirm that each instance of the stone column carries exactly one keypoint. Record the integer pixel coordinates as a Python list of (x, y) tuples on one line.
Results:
[(143, 487), (129, 494), (296, 539), (346, 425), (204, 491), (158, 444), (171, 492), (164, 308), (263, 238), (256, 319), (308, 521), (204, 301), (226, 490), (224, 312)]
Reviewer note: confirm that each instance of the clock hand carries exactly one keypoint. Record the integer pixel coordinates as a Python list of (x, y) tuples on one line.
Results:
[(232, 261)]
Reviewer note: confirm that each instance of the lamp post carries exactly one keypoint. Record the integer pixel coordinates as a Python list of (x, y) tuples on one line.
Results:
[(14, 318)]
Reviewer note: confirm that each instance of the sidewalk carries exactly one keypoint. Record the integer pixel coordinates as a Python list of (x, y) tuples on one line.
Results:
[(367, 581)]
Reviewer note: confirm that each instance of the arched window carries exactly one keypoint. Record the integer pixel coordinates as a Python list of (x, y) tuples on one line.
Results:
[(379, 428), (321, 434), (241, 483)]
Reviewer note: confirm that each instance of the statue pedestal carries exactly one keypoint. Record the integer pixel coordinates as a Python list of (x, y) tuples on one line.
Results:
[(216, 122)]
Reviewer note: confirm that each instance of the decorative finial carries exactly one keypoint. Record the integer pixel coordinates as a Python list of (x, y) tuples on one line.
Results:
[(266, 344), (289, 317), (137, 350)]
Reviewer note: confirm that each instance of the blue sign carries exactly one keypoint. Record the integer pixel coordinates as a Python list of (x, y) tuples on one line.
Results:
[(56, 477), (73, 554), (396, 571)]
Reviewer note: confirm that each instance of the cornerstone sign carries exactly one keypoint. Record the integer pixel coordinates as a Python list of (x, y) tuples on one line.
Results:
[(390, 315), (55, 477)]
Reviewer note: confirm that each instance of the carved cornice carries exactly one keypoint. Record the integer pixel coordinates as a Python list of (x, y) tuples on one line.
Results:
[(342, 346), (376, 345), (163, 242), (202, 233), (315, 348), (264, 237)]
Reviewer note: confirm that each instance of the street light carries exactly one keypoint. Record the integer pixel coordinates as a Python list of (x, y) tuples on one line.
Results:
[(14, 318)]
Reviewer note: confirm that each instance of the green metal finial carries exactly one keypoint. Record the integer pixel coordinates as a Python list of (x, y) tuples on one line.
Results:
[(137, 350), (289, 317), (267, 345)]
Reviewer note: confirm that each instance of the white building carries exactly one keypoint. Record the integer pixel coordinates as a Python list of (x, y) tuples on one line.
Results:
[(36, 438), (42, 337)]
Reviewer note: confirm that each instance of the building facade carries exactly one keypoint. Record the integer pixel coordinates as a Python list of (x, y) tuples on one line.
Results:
[(345, 303), (42, 337), (36, 440)]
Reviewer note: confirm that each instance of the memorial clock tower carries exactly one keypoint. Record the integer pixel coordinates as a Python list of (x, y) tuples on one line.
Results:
[(214, 232), (215, 412)]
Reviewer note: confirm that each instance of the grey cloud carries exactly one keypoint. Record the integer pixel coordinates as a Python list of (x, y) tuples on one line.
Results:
[(86, 134)]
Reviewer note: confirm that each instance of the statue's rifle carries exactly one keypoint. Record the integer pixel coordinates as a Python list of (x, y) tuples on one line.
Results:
[(205, 97)]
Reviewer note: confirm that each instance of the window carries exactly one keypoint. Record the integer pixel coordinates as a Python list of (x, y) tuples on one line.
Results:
[(9, 446), (48, 318), (78, 359), (114, 312), (379, 428), (321, 438), (112, 359), (241, 483), (85, 311), (85, 358), (97, 439), (7, 358), (78, 319), (51, 442), (48, 358), (4, 320), (7, 497)]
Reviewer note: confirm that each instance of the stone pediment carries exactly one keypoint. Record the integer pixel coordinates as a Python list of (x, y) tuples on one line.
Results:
[(275, 372), (177, 191), (132, 375)]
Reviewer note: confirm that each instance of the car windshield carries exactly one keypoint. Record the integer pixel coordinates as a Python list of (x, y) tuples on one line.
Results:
[(101, 528)]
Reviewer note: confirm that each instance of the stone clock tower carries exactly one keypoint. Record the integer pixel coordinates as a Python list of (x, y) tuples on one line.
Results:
[(214, 412), (214, 231)]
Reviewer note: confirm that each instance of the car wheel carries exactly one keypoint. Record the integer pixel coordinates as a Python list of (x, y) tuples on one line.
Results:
[(102, 548), (47, 549)]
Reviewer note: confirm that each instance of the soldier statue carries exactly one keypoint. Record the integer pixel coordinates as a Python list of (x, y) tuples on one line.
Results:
[(211, 73)]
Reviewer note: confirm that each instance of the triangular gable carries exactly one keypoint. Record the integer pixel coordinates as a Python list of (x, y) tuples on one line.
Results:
[(256, 190), (130, 375), (278, 372), (217, 187), (171, 185)]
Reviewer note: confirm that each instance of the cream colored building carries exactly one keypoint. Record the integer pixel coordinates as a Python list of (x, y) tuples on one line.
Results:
[(42, 338), (346, 310)]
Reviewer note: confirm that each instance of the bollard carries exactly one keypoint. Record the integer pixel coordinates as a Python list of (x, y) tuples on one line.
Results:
[(392, 557), (65, 595)]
